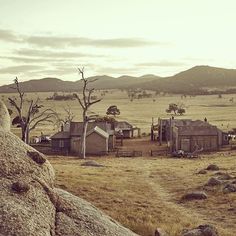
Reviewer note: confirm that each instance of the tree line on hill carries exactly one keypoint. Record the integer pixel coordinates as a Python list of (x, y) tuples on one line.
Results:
[(199, 80)]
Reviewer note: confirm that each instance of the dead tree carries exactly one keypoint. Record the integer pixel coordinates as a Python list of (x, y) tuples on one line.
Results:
[(85, 103), (67, 119), (29, 117)]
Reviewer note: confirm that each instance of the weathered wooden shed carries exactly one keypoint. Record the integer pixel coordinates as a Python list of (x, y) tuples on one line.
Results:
[(61, 141), (97, 141), (126, 129), (191, 138), (192, 135), (76, 129), (189, 135)]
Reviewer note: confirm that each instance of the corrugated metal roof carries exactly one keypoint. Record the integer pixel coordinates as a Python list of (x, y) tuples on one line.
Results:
[(198, 130), (61, 135), (76, 128), (98, 131), (123, 125)]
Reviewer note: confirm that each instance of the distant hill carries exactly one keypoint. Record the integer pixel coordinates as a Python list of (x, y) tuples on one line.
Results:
[(195, 80)]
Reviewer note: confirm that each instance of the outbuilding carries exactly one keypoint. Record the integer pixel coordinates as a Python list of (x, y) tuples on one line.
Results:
[(97, 141)]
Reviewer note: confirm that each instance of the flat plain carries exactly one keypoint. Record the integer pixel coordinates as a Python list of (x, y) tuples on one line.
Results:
[(139, 112)]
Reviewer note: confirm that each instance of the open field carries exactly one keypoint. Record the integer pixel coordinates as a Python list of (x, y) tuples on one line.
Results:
[(145, 193), (139, 112)]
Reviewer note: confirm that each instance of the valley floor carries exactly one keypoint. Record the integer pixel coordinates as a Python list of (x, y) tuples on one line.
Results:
[(144, 193)]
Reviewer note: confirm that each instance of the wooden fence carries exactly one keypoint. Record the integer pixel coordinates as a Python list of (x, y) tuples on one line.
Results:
[(126, 153)]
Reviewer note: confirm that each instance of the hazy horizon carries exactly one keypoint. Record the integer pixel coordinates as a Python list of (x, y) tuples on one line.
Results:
[(53, 38)]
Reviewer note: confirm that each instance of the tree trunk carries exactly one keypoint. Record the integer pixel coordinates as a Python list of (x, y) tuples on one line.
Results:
[(23, 133), (27, 135), (83, 137)]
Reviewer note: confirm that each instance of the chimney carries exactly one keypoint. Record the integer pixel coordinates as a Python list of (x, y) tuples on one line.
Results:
[(62, 128)]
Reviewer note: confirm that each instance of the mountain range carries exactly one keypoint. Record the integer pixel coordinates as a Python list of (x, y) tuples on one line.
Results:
[(196, 80)]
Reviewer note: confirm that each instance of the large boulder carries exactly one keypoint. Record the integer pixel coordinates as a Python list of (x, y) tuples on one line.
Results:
[(201, 230), (29, 203)]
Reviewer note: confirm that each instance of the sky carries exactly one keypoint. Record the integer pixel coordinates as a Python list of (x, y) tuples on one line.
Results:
[(52, 38)]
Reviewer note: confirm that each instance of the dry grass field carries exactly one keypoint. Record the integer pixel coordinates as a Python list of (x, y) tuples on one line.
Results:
[(220, 112), (145, 193)]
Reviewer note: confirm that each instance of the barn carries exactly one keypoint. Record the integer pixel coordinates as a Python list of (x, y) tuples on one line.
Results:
[(97, 141), (189, 135), (61, 141), (97, 132), (126, 129)]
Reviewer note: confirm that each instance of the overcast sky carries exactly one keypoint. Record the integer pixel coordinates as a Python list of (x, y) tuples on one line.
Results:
[(51, 38)]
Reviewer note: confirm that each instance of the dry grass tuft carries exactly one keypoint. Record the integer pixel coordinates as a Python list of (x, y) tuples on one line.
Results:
[(143, 194)]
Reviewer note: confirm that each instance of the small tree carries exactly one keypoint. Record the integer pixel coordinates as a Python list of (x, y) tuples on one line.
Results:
[(177, 109), (85, 103), (113, 110), (28, 116), (172, 108), (181, 111)]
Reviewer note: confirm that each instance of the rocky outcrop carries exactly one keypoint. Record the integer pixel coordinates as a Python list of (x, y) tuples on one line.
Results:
[(201, 230), (31, 205)]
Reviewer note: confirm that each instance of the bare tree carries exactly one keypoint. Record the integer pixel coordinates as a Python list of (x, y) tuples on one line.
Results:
[(85, 102), (30, 116), (67, 119)]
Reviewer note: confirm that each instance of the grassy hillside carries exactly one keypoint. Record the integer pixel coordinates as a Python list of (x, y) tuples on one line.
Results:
[(194, 81)]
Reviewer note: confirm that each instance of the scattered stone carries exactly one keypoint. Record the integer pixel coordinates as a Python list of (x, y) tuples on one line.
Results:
[(229, 188), (37, 157), (20, 187), (194, 196), (212, 167), (201, 230), (213, 182), (160, 232), (223, 176), (92, 163), (202, 172)]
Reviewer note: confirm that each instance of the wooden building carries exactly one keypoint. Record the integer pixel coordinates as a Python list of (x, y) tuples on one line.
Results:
[(61, 141), (126, 129), (97, 141), (97, 132), (188, 135)]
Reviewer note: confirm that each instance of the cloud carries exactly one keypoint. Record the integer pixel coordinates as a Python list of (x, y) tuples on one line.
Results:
[(30, 59), (19, 69), (54, 42), (8, 36), (161, 64), (52, 54), (63, 42)]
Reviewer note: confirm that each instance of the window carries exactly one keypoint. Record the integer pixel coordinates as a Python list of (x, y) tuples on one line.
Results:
[(61, 143)]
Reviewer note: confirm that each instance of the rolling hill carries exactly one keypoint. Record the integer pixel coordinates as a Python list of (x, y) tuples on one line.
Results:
[(194, 80)]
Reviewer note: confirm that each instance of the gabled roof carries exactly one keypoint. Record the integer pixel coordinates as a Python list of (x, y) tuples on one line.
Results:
[(61, 135), (123, 125), (99, 131), (76, 128), (197, 130)]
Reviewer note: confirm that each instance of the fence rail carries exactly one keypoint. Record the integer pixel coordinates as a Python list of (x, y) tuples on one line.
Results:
[(125, 153), (155, 153)]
